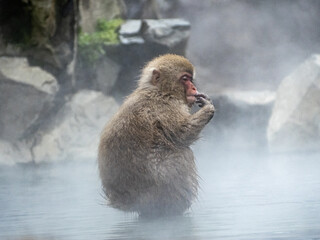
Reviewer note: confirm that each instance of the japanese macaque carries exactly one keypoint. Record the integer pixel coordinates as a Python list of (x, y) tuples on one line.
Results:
[(145, 161)]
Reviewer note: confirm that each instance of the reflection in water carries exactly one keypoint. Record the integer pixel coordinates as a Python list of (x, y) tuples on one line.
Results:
[(243, 196), (157, 229)]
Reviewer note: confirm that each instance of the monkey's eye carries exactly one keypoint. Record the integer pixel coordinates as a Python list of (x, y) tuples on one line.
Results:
[(187, 78)]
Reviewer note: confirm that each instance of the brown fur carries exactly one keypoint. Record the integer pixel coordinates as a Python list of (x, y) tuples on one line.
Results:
[(145, 162)]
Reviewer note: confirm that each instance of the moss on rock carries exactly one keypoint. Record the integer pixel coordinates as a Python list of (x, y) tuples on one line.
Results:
[(91, 45)]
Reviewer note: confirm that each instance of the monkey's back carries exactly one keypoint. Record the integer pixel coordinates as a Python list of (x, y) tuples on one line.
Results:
[(141, 166)]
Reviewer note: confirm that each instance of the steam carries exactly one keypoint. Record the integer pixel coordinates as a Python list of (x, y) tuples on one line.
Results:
[(246, 193), (251, 44)]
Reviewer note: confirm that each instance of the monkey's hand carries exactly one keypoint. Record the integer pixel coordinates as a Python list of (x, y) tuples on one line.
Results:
[(196, 122), (202, 100), (206, 104)]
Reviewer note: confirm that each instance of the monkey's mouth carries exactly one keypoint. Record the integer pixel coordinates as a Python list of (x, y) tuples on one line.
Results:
[(191, 99)]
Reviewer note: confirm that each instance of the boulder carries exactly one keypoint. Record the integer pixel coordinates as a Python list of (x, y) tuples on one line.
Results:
[(130, 32), (25, 92), (75, 130), (241, 118), (295, 121), (142, 40), (169, 34)]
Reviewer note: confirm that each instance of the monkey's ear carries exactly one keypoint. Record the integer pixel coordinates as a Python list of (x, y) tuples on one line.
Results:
[(155, 77)]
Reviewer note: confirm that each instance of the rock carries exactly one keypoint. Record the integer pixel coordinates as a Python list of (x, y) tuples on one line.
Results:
[(43, 18), (295, 121), (25, 92), (12, 153), (92, 10), (41, 30), (172, 34), (241, 118), (142, 40), (129, 40), (75, 131), (19, 71), (107, 75), (130, 28), (130, 32)]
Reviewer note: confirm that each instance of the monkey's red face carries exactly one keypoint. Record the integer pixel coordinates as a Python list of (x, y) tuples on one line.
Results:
[(187, 80)]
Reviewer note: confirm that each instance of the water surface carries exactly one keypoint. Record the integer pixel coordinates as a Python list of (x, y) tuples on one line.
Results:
[(243, 196)]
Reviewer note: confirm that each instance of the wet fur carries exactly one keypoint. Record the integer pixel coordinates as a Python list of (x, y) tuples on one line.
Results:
[(145, 162)]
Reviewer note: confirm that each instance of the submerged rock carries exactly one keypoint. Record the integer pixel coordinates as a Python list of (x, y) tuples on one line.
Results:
[(295, 121)]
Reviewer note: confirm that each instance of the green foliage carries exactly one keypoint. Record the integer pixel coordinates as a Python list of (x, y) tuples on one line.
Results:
[(91, 46)]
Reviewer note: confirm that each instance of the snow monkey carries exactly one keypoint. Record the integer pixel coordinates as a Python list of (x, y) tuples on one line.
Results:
[(145, 161)]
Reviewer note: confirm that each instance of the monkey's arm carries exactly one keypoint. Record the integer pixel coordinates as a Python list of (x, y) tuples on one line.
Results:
[(190, 129)]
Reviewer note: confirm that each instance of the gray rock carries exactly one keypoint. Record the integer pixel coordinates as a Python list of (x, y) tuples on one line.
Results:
[(25, 92), (74, 134), (107, 74), (19, 70), (294, 124), (241, 118), (168, 32), (125, 40), (12, 153), (130, 28), (130, 32), (9, 50), (139, 44), (175, 23)]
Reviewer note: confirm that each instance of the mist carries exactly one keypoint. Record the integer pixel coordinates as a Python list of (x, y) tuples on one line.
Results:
[(242, 51), (251, 44)]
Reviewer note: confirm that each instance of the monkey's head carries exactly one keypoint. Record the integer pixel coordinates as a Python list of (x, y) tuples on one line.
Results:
[(171, 74)]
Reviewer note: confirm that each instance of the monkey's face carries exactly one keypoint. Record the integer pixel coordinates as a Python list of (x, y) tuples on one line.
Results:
[(186, 80)]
